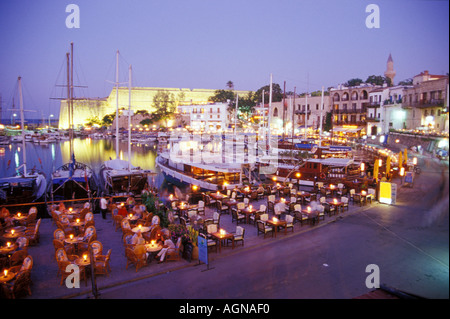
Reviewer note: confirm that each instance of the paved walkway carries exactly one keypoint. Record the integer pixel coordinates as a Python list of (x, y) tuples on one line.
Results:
[(46, 282)]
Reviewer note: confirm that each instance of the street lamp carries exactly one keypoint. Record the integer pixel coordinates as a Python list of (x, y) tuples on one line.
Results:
[(51, 115)]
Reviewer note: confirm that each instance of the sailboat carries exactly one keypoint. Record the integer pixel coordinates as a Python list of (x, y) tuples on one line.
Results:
[(73, 180), (27, 186), (119, 177)]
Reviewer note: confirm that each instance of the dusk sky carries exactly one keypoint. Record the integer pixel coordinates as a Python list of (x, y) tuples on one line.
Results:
[(206, 43)]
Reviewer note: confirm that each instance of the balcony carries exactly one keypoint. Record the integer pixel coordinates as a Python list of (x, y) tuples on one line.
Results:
[(372, 119), (372, 104), (425, 103), (350, 122), (349, 111)]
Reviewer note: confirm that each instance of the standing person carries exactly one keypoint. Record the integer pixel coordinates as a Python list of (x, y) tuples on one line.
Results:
[(103, 206)]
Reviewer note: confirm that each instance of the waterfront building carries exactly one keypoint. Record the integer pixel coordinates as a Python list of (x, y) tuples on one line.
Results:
[(427, 100), (203, 116), (309, 109), (349, 107)]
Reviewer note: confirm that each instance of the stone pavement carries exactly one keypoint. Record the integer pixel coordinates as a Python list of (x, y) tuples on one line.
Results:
[(46, 282)]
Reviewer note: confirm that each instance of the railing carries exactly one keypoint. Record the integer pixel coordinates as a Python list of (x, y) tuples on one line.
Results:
[(425, 103)]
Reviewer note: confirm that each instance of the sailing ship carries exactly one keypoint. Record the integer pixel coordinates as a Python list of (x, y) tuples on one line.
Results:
[(26, 186), (73, 180), (118, 177)]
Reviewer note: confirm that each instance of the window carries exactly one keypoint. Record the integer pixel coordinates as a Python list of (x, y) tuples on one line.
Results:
[(317, 106), (218, 110)]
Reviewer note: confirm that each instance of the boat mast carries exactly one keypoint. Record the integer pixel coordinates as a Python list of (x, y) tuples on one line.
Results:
[(306, 108), (270, 116), (321, 115), (293, 119), (71, 100), (23, 128), (117, 104), (129, 120)]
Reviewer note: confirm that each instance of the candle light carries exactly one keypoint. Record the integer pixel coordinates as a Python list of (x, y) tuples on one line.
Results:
[(18, 214), (335, 200), (12, 231), (275, 219), (250, 207), (8, 244), (140, 226), (71, 236), (70, 209), (309, 209), (85, 257), (363, 192), (222, 232), (5, 272), (78, 220)]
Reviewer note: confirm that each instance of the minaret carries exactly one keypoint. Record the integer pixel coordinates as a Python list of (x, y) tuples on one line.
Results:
[(390, 73)]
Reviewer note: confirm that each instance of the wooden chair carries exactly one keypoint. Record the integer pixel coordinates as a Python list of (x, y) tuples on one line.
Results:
[(222, 209), (127, 241), (238, 235), (17, 257), (344, 201), (201, 207), (118, 221), (237, 217), (216, 219), (63, 260), (101, 264), (329, 209), (302, 218), (321, 212), (133, 259), (264, 229), (174, 254), (289, 222), (20, 286)]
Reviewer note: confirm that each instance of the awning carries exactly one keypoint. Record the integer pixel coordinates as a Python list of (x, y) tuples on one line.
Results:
[(347, 129)]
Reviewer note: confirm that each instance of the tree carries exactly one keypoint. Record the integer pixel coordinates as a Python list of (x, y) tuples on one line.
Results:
[(377, 80), (277, 93), (406, 82), (165, 105), (230, 85), (222, 96), (108, 119), (353, 82), (328, 122), (93, 120)]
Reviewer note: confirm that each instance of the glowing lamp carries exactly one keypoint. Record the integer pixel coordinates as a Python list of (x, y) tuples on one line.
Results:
[(85, 257), (335, 201), (309, 209), (70, 209), (250, 207), (298, 175), (71, 236), (194, 187), (415, 160), (402, 171), (131, 215), (140, 226), (222, 232), (363, 167), (8, 244), (12, 231), (170, 196), (5, 272), (274, 178), (77, 220), (19, 214), (275, 219), (363, 192), (380, 162)]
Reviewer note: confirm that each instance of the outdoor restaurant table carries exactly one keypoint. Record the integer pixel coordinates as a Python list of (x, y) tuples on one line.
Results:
[(82, 263), (219, 237), (74, 241), (9, 276), (218, 196), (13, 235), (5, 250), (143, 229), (17, 219), (152, 250), (247, 212), (338, 205), (312, 215), (276, 224), (77, 225), (363, 196)]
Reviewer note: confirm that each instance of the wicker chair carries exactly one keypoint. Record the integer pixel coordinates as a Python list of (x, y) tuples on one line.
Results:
[(289, 222), (237, 217), (63, 260), (101, 265), (133, 259), (17, 257), (238, 236), (174, 254), (19, 287)]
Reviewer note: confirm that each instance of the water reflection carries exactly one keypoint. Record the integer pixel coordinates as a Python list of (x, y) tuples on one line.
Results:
[(48, 157)]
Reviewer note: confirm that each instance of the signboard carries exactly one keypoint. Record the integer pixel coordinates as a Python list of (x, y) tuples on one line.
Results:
[(385, 194), (409, 176), (388, 193), (202, 249), (394, 193)]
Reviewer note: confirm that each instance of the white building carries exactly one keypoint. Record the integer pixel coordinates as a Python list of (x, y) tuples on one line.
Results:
[(205, 116)]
